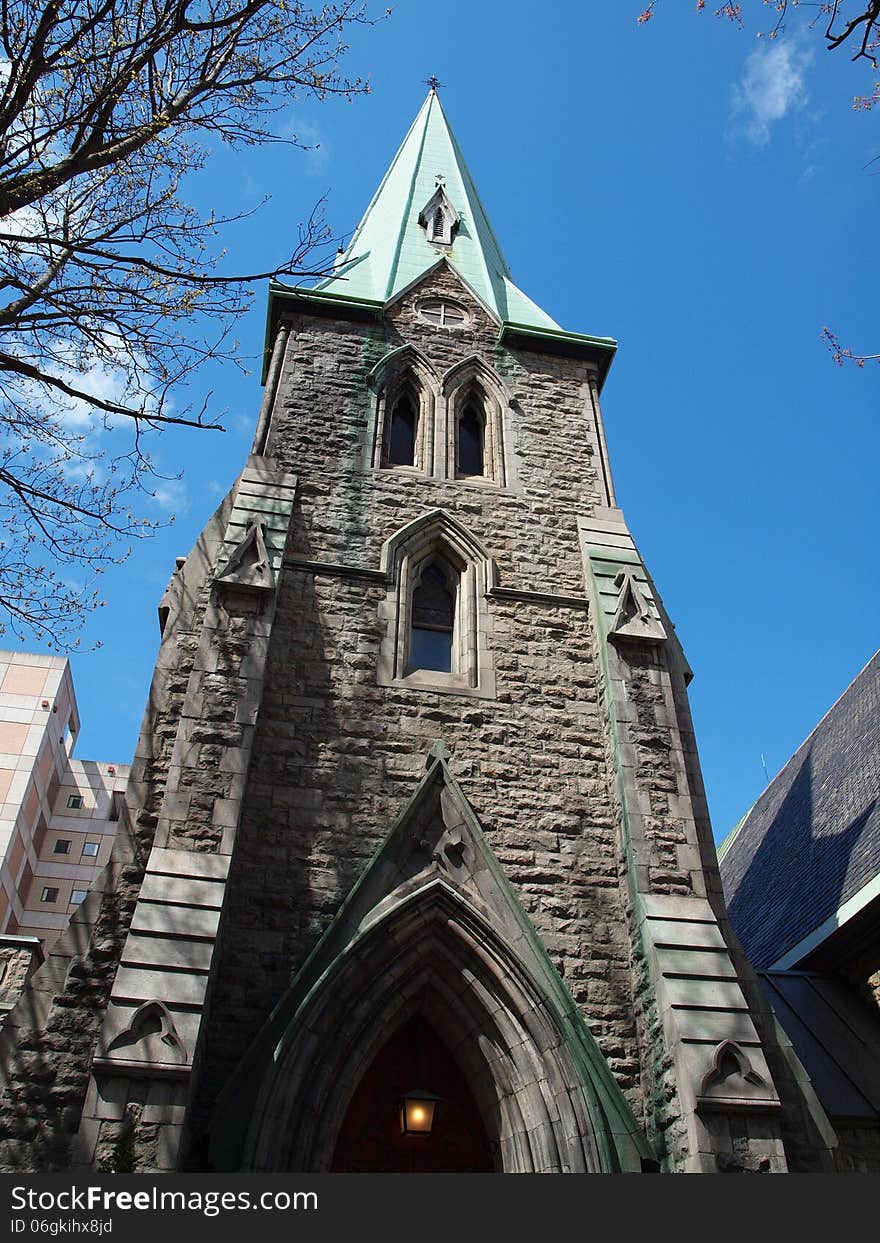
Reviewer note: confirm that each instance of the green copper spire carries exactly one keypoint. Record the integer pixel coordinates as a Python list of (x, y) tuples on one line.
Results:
[(391, 249)]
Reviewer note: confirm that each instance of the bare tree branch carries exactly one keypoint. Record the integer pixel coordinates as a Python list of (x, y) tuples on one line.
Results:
[(111, 290)]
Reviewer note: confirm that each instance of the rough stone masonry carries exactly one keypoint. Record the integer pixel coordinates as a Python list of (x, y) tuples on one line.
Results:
[(520, 843)]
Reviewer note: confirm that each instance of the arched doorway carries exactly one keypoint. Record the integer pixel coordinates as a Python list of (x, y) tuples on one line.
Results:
[(433, 930), (371, 1139)]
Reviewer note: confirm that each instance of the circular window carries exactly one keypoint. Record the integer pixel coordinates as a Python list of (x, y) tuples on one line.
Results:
[(443, 313)]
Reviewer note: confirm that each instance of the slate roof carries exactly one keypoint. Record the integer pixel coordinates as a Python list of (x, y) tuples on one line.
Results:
[(390, 250), (812, 840), (836, 1037)]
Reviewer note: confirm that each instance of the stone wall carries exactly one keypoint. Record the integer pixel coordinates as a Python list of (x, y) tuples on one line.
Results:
[(337, 756), (49, 1038), (582, 773), (19, 959)]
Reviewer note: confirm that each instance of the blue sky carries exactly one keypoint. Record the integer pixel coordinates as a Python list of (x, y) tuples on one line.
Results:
[(704, 197)]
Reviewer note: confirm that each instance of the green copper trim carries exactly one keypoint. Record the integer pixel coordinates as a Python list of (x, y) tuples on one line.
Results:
[(723, 847), (598, 350), (312, 302), (361, 916), (510, 327), (390, 249)]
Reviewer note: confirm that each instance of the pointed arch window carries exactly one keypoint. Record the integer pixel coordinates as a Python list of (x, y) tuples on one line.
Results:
[(437, 624), (439, 218), (471, 440), (476, 439), (432, 629), (450, 428), (403, 430)]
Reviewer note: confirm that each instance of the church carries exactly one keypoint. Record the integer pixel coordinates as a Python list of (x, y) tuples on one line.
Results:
[(414, 871)]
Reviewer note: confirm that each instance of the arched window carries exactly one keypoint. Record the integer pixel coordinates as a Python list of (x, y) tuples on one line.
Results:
[(469, 449), (433, 619), (404, 421), (439, 228), (402, 432), (435, 616), (476, 440)]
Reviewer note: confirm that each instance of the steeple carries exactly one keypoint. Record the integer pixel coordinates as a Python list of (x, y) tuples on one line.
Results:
[(427, 208)]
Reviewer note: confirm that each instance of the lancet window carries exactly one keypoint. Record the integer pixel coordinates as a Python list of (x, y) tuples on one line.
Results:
[(470, 439), (435, 614), (405, 412), (476, 425), (432, 629), (450, 428), (403, 430)]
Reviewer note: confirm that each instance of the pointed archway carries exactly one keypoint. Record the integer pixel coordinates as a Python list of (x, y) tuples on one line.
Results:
[(372, 1138), (431, 929)]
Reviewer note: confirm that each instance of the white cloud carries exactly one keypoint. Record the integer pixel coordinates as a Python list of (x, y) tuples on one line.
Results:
[(773, 86), (309, 137), (100, 381), (240, 424), (169, 495)]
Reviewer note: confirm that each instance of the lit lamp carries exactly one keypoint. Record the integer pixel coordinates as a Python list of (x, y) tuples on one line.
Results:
[(417, 1112)]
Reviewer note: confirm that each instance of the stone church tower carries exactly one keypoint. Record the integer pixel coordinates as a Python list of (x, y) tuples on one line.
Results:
[(416, 806)]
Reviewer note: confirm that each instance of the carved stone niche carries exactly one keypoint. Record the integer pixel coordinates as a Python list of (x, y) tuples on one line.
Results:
[(150, 1039), (249, 568), (634, 618), (731, 1082)]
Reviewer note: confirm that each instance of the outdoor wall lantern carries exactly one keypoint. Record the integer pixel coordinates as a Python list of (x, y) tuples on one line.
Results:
[(417, 1112)]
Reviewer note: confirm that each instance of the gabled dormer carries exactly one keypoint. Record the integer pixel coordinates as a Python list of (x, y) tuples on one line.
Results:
[(439, 218)]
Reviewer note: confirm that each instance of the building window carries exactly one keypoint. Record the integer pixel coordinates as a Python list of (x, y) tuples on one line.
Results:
[(439, 218), (454, 428), (49, 894), (469, 455), (406, 400), (62, 846), (402, 432), (476, 401), (433, 619), (443, 313), (75, 801), (115, 806), (90, 849), (77, 896), (437, 625)]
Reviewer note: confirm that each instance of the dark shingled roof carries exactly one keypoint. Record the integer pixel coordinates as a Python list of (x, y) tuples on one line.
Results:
[(836, 1037), (812, 840)]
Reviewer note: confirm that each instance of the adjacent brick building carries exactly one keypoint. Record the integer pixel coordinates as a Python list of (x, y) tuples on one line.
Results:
[(416, 802)]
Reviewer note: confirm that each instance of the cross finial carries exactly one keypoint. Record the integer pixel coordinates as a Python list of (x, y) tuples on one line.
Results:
[(439, 751), (434, 82)]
